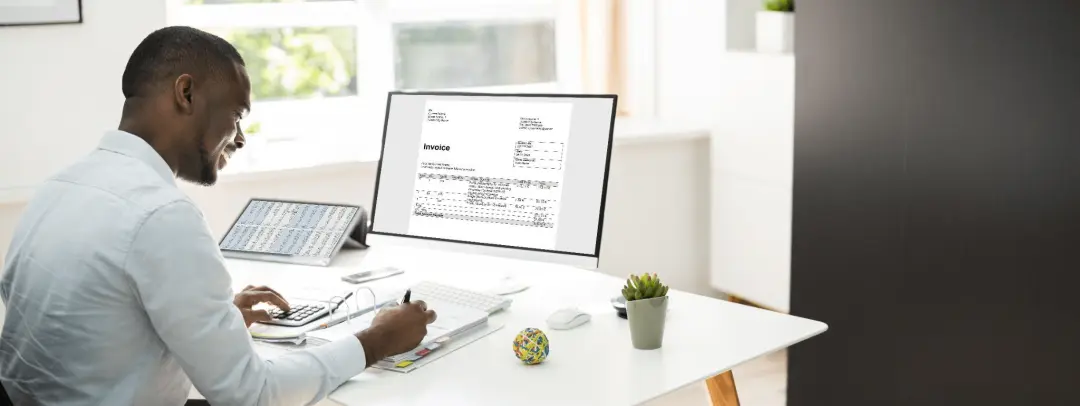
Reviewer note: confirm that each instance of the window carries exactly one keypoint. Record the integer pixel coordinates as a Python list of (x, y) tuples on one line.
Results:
[(320, 69), (451, 55)]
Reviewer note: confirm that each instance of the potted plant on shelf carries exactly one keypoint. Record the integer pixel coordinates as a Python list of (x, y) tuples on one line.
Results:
[(776, 26), (646, 306)]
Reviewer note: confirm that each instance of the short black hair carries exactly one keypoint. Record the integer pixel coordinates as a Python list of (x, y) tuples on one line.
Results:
[(172, 51)]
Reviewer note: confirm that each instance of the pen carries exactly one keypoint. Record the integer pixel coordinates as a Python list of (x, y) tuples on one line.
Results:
[(332, 323), (408, 292)]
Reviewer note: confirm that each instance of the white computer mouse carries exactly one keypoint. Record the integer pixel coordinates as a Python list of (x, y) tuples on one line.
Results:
[(567, 318)]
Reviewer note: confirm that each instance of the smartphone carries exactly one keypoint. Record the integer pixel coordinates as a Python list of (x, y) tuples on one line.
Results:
[(374, 274)]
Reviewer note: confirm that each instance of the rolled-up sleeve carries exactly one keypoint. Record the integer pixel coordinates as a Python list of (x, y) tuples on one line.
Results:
[(181, 280)]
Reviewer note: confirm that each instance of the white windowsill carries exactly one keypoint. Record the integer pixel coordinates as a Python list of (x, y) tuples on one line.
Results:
[(282, 161)]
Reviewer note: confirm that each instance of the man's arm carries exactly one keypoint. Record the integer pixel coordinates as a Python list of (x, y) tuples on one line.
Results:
[(180, 277)]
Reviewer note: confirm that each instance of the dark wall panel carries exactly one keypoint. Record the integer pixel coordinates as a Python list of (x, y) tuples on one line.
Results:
[(936, 223)]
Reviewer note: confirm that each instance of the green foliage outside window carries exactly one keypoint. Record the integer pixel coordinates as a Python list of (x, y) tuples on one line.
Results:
[(298, 62), (293, 62)]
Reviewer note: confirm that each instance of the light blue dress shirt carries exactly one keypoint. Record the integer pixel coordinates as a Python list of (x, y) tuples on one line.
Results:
[(117, 294)]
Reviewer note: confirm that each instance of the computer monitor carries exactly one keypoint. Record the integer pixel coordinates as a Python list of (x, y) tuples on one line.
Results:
[(512, 175)]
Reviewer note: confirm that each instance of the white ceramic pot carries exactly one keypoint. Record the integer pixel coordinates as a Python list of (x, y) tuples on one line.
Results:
[(775, 31)]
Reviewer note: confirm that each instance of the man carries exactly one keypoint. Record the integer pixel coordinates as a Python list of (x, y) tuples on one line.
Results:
[(116, 291)]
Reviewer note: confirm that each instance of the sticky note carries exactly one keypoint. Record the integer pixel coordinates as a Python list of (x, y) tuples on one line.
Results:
[(403, 364), (423, 352)]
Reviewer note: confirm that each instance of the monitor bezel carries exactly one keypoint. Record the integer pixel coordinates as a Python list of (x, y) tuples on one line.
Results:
[(603, 194)]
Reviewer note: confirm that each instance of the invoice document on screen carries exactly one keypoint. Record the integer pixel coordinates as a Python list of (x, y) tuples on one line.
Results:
[(491, 171)]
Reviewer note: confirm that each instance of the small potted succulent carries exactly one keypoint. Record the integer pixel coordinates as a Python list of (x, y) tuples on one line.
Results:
[(646, 306)]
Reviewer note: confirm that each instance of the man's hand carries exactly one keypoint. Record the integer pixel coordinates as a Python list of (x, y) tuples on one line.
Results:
[(396, 330), (253, 295)]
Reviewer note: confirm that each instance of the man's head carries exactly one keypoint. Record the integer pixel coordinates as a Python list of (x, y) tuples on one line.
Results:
[(185, 92)]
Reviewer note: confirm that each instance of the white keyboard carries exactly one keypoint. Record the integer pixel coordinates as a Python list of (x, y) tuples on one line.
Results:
[(436, 292)]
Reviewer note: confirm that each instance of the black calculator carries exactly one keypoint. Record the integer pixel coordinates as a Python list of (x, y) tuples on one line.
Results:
[(299, 314)]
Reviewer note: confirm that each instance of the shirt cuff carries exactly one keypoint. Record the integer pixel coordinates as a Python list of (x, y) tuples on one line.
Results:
[(345, 358)]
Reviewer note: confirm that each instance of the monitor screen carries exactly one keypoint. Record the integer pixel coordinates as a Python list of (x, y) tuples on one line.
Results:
[(519, 171)]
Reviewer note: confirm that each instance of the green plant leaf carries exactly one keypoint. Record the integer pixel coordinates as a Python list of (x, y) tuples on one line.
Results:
[(780, 5)]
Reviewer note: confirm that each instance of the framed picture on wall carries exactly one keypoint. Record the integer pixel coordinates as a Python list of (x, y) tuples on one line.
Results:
[(40, 12)]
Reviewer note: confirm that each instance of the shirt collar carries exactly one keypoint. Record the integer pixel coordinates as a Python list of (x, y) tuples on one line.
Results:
[(128, 144)]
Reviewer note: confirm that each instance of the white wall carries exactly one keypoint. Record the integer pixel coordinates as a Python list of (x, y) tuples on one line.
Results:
[(9, 217), (741, 23), (61, 85), (690, 42)]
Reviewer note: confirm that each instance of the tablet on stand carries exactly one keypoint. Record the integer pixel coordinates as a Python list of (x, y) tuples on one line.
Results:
[(294, 232)]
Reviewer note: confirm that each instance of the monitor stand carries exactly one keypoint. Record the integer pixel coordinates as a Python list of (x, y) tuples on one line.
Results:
[(508, 285)]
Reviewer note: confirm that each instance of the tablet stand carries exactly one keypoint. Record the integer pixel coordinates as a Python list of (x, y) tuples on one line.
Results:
[(357, 239)]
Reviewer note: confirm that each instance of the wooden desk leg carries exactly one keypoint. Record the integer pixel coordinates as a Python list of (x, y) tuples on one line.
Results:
[(722, 390)]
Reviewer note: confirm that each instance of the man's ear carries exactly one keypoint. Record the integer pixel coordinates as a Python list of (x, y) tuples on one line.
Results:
[(182, 89)]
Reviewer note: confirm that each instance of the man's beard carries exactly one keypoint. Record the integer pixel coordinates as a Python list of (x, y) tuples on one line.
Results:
[(208, 169)]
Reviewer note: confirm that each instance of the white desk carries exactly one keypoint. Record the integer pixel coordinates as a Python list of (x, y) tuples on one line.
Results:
[(594, 364)]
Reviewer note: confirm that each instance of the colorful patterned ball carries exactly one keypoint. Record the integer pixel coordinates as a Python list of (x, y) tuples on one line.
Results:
[(531, 346)]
